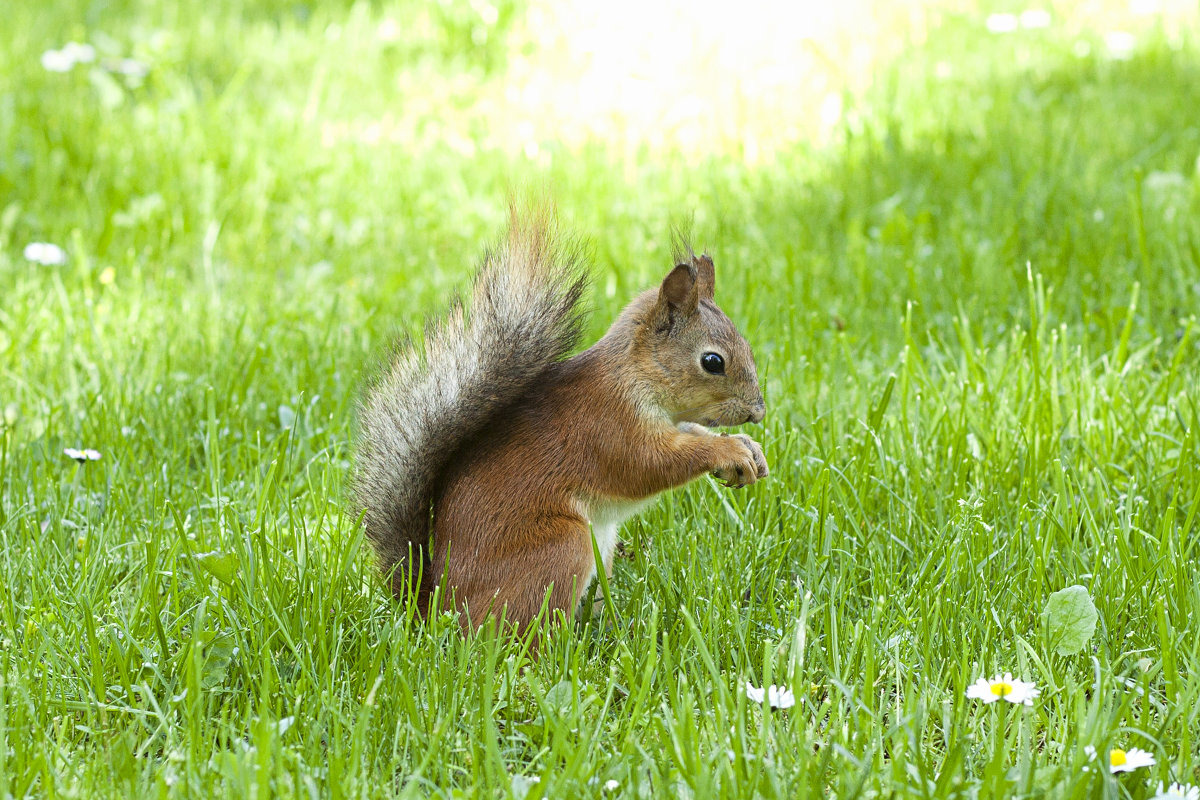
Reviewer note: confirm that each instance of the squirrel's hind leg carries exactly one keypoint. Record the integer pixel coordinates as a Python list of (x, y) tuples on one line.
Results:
[(553, 556)]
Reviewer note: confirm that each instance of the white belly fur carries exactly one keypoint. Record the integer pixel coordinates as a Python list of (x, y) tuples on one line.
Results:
[(606, 517)]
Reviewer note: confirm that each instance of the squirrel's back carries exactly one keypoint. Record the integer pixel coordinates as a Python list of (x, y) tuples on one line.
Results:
[(433, 397)]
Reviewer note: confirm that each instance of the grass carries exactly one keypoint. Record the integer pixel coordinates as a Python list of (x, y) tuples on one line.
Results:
[(973, 310)]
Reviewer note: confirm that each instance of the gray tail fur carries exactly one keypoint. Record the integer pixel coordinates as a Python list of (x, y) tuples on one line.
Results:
[(428, 400)]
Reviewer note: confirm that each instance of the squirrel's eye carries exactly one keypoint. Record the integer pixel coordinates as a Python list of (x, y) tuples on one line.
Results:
[(713, 363)]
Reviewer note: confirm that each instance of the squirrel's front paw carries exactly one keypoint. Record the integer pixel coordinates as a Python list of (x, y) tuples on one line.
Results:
[(746, 462)]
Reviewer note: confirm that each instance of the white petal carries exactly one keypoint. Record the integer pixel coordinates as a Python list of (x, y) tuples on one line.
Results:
[(1178, 791), (1138, 754), (982, 690), (1135, 758), (611, 786), (780, 697), (81, 455), (57, 61), (79, 53), (45, 254), (754, 693), (1022, 692)]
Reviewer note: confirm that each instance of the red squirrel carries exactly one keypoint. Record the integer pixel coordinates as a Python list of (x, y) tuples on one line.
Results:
[(487, 459)]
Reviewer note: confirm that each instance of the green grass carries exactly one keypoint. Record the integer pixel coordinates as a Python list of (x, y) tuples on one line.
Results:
[(973, 311)]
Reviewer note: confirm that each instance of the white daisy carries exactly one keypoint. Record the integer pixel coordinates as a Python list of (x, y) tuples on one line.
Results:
[(57, 61), (81, 455), (79, 53), (611, 786), (1178, 791), (65, 59), (44, 253), (1124, 760), (775, 696), (1003, 687)]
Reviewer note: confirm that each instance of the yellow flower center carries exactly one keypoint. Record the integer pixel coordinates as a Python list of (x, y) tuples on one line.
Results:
[(1001, 689), (1116, 757)]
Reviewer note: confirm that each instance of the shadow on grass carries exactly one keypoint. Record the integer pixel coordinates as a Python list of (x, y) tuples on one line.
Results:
[(1087, 172)]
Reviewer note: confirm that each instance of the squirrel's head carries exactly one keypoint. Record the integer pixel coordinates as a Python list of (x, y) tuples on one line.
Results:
[(701, 369)]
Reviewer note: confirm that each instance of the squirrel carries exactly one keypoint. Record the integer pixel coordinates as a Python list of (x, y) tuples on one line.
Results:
[(485, 453)]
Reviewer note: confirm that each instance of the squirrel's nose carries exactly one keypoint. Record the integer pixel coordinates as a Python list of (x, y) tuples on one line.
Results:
[(757, 411)]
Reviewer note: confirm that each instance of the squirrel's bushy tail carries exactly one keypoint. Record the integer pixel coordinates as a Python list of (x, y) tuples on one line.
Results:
[(524, 316)]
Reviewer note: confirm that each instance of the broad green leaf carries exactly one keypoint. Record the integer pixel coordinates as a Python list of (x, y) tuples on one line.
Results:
[(1071, 620), (222, 566), (525, 786), (217, 657), (560, 696)]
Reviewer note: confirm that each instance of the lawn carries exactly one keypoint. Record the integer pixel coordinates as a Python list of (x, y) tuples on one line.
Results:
[(969, 266)]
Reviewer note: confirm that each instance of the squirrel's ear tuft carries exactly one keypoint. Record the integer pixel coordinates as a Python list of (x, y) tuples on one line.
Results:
[(706, 276), (677, 298)]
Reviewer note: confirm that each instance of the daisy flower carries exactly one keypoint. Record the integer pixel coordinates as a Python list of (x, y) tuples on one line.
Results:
[(775, 696), (1003, 687), (81, 455), (78, 52), (1124, 760), (64, 60), (56, 61), (1178, 791), (44, 253)]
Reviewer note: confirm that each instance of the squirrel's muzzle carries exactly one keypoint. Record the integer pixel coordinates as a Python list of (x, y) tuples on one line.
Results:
[(757, 412)]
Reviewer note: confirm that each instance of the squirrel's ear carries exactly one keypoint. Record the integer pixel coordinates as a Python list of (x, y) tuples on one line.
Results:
[(706, 276), (677, 298)]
